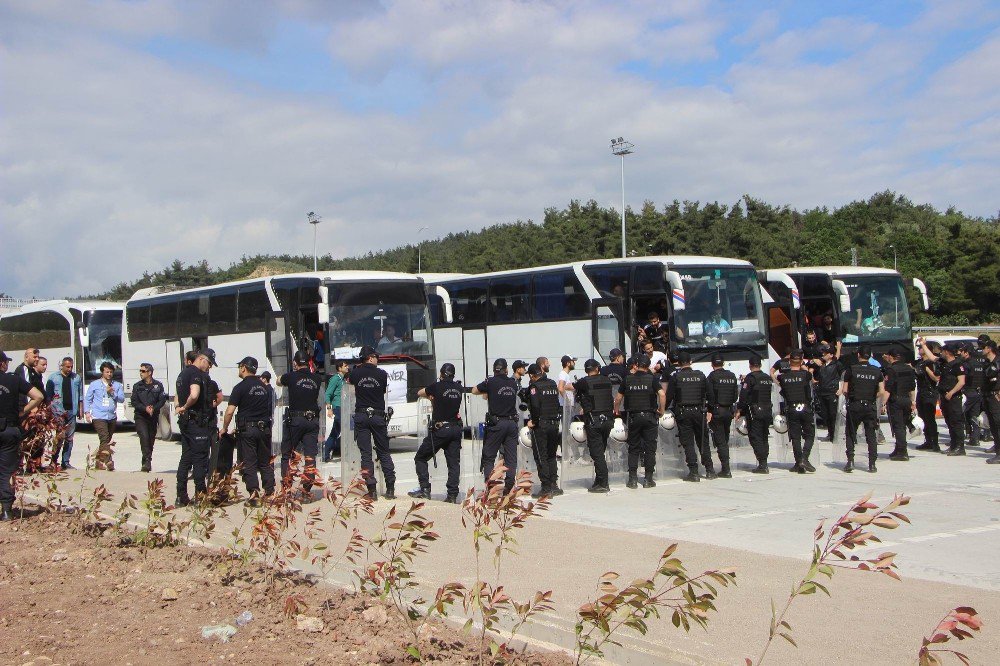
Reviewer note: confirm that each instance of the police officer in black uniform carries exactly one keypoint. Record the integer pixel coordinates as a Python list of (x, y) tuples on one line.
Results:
[(194, 415), (796, 389), (901, 384), (755, 404), (443, 432), (14, 390), (545, 411), (501, 393), (301, 418), (253, 429), (371, 420), (594, 394), (927, 370), (723, 392), (827, 373), (862, 385), (953, 378), (975, 375), (643, 400), (616, 370), (991, 395), (688, 393)]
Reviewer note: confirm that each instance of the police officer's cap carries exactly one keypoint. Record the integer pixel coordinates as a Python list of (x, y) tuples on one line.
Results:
[(4, 358), (499, 365), (591, 365), (717, 359), (534, 370), (250, 363), (970, 348), (984, 340), (796, 354), (615, 353), (755, 361), (865, 351), (209, 354), (448, 370), (683, 358), (301, 358), (367, 352), (518, 364), (950, 347), (642, 361), (630, 362)]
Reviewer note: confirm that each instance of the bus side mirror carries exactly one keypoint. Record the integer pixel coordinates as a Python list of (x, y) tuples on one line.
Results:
[(323, 311), (922, 288), (840, 289), (673, 279), (83, 334), (445, 297)]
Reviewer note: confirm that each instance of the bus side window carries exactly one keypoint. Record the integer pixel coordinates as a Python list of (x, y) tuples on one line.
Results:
[(559, 296), (251, 309)]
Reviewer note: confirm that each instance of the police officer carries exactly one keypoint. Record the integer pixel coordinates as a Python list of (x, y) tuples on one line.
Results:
[(14, 390), (901, 384), (148, 398), (253, 429), (194, 414), (371, 420), (863, 384), (501, 393), (991, 389), (616, 370), (217, 398), (755, 404), (952, 381), (643, 400), (688, 393), (975, 375), (723, 392), (928, 375), (301, 418), (827, 375), (796, 389), (443, 432), (545, 411), (594, 393)]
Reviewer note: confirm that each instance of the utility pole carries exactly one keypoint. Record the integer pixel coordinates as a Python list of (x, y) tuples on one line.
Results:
[(314, 220), (621, 148)]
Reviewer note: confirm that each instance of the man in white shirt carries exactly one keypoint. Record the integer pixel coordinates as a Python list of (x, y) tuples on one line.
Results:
[(657, 359), (566, 378)]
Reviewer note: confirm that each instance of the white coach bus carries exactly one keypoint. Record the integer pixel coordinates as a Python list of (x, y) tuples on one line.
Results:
[(271, 318), (587, 308), (866, 305), (89, 332)]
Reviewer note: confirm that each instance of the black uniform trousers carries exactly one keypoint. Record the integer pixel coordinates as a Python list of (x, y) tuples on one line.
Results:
[(862, 412), (955, 420), (973, 408), (801, 430), (758, 433), (547, 439), (900, 411), (501, 438), (927, 411), (145, 428), (449, 439), (255, 454), (992, 404), (828, 412), (598, 428), (300, 434), (10, 457), (642, 442), (720, 427), (374, 428), (196, 444), (691, 428)]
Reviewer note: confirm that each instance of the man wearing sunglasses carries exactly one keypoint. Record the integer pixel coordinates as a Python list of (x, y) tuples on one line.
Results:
[(148, 398)]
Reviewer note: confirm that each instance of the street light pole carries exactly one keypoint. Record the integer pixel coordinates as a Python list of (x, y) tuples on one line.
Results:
[(419, 244), (893, 248), (621, 148), (314, 220)]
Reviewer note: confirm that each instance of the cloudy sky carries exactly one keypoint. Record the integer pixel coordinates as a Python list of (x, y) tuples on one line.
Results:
[(134, 133)]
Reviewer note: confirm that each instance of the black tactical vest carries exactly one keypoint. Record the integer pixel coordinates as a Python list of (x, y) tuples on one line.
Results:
[(725, 386), (548, 395), (992, 377), (925, 384), (761, 395), (975, 373), (796, 387), (949, 375), (691, 386), (640, 392), (863, 381), (598, 395), (904, 379)]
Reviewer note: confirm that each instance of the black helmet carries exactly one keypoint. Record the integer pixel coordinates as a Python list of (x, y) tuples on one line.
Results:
[(367, 352), (591, 365), (448, 371), (500, 365)]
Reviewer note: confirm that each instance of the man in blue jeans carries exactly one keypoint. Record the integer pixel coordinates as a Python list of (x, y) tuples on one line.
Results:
[(64, 390), (334, 389)]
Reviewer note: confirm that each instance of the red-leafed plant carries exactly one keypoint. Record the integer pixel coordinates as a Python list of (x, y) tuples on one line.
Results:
[(957, 623)]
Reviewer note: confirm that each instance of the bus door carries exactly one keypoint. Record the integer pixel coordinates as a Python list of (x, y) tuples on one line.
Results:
[(277, 344), (476, 370), (174, 355), (607, 328)]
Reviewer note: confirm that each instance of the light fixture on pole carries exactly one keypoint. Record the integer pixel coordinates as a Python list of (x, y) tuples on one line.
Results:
[(314, 220), (419, 243), (621, 148), (893, 248)]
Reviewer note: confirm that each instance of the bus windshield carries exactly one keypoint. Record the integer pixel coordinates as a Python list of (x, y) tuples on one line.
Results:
[(879, 310), (392, 317), (104, 328), (723, 307)]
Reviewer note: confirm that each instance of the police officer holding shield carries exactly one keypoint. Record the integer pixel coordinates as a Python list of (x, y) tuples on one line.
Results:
[(755, 404), (15, 390), (371, 420), (301, 418), (723, 393), (688, 393), (796, 389), (594, 393), (545, 411), (901, 384), (444, 432), (500, 392), (862, 385), (250, 403), (643, 400), (195, 413)]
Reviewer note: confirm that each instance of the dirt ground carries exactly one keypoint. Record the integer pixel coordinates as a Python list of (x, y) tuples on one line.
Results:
[(72, 599)]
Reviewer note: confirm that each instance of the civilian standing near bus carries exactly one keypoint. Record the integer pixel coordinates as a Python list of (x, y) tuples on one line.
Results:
[(250, 403), (101, 408), (194, 415), (301, 430), (334, 391), (64, 390), (371, 420), (14, 389), (148, 398)]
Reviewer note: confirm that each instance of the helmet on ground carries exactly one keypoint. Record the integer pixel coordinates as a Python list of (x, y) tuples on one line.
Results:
[(618, 431), (578, 431), (780, 424), (741, 425), (983, 420), (524, 437), (448, 371), (916, 425), (668, 421)]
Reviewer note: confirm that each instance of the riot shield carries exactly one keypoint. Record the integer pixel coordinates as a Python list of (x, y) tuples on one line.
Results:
[(670, 461), (350, 454), (576, 468)]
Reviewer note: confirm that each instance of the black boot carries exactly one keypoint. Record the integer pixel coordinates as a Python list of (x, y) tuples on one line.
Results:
[(761, 468), (871, 466), (648, 482), (806, 465), (6, 512), (724, 472), (710, 473), (598, 488), (957, 451), (372, 493), (797, 468), (692, 476), (452, 498), (390, 491), (633, 480), (423, 492), (849, 467), (926, 446)]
